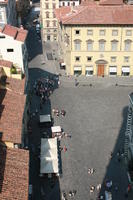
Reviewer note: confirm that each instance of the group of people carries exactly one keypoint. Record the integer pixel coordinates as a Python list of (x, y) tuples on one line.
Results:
[(58, 112), (71, 193), (43, 87)]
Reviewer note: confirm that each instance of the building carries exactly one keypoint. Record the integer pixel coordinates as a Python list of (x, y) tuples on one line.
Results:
[(22, 7), (8, 12), (14, 161), (130, 1), (13, 107), (48, 19), (14, 173), (96, 38), (13, 47), (128, 147), (69, 3)]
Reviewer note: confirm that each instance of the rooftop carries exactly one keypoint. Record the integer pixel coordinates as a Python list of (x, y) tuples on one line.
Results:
[(12, 103), (18, 34), (90, 13), (3, 1), (14, 173), (6, 63)]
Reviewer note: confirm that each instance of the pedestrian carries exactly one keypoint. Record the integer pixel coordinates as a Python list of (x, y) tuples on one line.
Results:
[(92, 188), (98, 187), (76, 83), (119, 156), (65, 149)]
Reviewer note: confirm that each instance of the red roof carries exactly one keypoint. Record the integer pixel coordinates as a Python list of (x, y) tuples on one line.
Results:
[(17, 33), (6, 63), (12, 103), (11, 111), (14, 173), (94, 14), (111, 2)]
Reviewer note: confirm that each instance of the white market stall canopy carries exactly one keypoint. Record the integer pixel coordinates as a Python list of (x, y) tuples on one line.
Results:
[(56, 129), (49, 156), (45, 118)]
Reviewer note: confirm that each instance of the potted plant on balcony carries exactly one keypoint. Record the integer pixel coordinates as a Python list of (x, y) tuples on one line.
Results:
[(13, 70)]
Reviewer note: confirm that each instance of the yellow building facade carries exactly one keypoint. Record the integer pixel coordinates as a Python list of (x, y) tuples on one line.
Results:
[(99, 50)]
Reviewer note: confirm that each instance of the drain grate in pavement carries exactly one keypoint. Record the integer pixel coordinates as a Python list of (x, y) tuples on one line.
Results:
[(50, 56)]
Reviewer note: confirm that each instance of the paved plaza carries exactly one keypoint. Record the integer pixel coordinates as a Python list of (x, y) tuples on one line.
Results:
[(96, 112), (96, 119)]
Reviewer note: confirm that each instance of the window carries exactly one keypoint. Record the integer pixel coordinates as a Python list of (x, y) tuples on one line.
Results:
[(113, 59), (47, 23), (127, 45), (2, 36), (77, 70), (102, 32), (10, 50), (54, 5), (89, 32), (77, 44), (101, 45), (89, 71), (114, 45), (126, 58), (125, 71), (47, 14), (89, 45), (114, 32), (113, 70), (128, 32), (47, 6), (68, 3), (63, 4), (77, 58), (54, 15), (77, 32), (54, 23), (89, 58)]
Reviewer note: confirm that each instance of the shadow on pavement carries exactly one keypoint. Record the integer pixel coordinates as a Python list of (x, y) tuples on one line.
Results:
[(34, 44), (43, 187), (116, 170)]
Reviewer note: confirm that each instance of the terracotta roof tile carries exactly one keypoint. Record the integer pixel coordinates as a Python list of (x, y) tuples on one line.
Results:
[(17, 33), (12, 102), (112, 2), (15, 85), (14, 174), (94, 14), (11, 112), (6, 63)]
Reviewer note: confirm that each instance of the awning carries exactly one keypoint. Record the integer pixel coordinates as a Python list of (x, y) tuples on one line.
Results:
[(89, 68), (125, 69), (63, 64), (45, 118), (113, 69), (77, 69), (56, 129), (49, 156)]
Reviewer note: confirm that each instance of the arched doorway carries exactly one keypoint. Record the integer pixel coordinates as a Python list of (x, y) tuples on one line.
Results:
[(101, 64)]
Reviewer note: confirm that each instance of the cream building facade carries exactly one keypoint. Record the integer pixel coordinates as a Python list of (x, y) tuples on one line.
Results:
[(91, 48), (48, 19)]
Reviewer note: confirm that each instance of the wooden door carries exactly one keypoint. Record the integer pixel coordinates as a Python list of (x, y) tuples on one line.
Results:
[(100, 70)]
